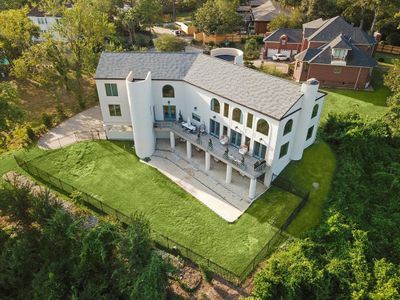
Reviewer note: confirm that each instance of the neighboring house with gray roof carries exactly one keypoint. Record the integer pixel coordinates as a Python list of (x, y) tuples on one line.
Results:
[(263, 121), (333, 51)]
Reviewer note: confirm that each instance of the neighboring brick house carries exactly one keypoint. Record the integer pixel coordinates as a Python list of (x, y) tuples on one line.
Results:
[(333, 51), (259, 13)]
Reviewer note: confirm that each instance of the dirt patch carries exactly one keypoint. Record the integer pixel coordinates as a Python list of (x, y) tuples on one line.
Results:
[(38, 100)]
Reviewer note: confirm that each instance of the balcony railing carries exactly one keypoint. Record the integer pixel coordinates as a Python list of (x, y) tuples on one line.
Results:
[(246, 164)]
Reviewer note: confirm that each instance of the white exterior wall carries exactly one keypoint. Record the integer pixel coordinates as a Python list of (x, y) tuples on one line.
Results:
[(187, 97), (121, 99), (45, 24), (140, 96)]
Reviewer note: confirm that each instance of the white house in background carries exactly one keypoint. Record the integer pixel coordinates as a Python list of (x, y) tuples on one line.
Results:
[(263, 122), (43, 21)]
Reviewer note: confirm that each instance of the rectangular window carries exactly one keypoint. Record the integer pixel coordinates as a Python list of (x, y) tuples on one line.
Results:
[(284, 150), (226, 110), (249, 120), (247, 142), (310, 132), (225, 131), (111, 89), (196, 117), (259, 150), (236, 138), (115, 110)]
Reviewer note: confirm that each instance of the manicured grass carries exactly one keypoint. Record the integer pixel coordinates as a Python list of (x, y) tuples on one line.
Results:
[(116, 176), (317, 166), (366, 103), (387, 58)]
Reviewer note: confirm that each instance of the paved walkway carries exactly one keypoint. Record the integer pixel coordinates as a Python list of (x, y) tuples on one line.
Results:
[(74, 129), (196, 183)]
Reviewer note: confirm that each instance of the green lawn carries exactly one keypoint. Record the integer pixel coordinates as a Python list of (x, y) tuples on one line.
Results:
[(367, 103), (115, 175), (317, 166), (386, 57)]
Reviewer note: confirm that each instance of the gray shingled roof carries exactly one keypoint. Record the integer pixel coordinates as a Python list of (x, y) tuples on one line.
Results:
[(323, 55), (264, 93), (341, 42), (168, 66), (294, 35), (307, 54), (332, 27), (268, 11)]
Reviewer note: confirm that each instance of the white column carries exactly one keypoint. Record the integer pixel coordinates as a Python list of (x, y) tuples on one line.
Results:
[(252, 189), (228, 178), (208, 156), (188, 149), (172, 139)]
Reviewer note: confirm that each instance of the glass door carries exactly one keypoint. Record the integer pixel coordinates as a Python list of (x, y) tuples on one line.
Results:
[(259, 150), (169, 112), (214, 128), (236, 138)]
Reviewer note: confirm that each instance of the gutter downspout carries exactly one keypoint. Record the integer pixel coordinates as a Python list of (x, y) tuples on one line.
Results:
[(358, 77)]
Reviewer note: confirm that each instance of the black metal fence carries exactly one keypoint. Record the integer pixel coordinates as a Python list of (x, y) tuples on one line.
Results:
[(161, 241)]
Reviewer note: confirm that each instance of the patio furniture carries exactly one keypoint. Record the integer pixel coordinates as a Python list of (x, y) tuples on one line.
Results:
[(202, 129), (243, 149), (189, 127), (224, 140)]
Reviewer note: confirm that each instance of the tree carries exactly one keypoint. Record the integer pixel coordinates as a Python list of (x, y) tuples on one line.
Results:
[(16, 32), (148, 12), (12, 4), (10, 112), (169, 43), (84, 29), (217, 17), (284, 21), (44, 63), (251, 49)]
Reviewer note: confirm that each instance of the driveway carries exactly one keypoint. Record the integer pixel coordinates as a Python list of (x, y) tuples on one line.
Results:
[(83, 126)]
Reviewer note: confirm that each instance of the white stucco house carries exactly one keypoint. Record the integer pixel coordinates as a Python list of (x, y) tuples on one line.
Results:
[(252, 122), (43, 21)]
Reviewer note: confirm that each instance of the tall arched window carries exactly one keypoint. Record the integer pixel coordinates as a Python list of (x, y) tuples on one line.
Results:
[(262, 126), (314, 111), (288, 127), (237, 115), (215, 105), (168, 91)]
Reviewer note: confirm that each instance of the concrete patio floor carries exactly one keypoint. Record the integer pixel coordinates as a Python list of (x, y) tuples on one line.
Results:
[(229, 201), (73, 130)]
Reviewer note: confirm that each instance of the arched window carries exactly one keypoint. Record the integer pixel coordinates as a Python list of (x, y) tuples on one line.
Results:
[(168, 91), (314, 111), (215, 105), (288, 127), (237, 115), (262, 126)]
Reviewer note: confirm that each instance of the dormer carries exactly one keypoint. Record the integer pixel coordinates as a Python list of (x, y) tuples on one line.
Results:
[(340, 48)]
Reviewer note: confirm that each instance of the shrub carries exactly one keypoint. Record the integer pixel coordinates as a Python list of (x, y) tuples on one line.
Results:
[(207, 274), (47, 120), (169, 43), (30, 133)]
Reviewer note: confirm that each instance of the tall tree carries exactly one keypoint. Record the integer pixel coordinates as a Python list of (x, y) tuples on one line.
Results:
[(10, 112), (217, 17), (16, 32), (84, 29)]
